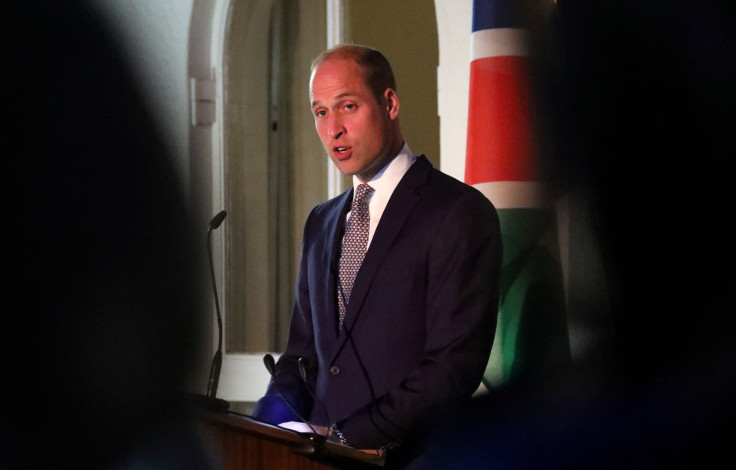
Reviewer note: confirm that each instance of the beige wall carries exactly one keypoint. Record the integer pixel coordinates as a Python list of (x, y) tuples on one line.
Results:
[(406, 32)]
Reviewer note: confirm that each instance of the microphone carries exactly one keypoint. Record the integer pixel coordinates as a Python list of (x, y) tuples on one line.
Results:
[(217, 220), (217, 360), (270, 363), (210, 399), (316, 446), (303, 373)]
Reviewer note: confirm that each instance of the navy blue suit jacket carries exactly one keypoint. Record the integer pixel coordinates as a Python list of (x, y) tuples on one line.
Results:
[(421, 318)]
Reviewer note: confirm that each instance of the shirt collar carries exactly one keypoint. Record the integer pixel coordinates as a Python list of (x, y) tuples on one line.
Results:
[(388, 177)]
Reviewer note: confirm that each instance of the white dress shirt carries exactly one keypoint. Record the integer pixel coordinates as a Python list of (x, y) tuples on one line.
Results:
[(384, 184)]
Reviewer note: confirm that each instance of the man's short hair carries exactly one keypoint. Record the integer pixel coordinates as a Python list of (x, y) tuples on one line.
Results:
[(377, 72)]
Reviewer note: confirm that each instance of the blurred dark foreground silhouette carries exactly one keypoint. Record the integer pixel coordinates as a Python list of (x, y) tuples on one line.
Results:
[(638, 116), (100, 292)]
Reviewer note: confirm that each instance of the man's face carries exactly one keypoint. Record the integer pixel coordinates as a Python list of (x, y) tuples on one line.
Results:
[(359, 134)]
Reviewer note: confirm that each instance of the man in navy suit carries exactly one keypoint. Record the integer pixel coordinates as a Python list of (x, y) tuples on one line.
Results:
[(420, 318)]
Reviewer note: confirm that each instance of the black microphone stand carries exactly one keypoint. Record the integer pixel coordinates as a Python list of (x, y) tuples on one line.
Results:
[(217, 360), (210, 400)]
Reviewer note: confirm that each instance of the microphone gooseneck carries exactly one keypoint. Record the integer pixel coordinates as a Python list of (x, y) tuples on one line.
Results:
[(214, 377), (303, 373), (369, 382), (270, 363)]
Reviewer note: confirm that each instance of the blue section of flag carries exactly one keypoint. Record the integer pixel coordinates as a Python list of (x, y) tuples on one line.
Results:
[(491, 14)]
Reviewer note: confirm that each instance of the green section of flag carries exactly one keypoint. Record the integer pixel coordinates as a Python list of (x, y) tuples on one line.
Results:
[(531, 336)]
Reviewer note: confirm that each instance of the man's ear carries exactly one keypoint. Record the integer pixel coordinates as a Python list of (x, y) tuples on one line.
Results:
[(392, 103)]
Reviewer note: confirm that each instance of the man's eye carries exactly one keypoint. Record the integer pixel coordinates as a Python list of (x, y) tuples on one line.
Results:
[(320, 113), (350, 107)]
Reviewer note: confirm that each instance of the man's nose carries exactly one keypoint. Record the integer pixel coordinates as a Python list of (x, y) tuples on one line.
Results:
[(335, 129)]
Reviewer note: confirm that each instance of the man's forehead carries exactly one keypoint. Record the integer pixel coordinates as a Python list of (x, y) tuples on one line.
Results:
[(336, 82)]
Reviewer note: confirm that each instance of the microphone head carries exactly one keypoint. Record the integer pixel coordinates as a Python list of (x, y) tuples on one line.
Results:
[(217, 219), (302, 369), (270, 364)]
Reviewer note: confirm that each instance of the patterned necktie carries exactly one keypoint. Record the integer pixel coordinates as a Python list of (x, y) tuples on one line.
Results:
[(353, 246)]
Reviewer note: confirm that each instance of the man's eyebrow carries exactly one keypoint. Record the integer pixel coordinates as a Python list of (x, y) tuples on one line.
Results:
[(338, 97)]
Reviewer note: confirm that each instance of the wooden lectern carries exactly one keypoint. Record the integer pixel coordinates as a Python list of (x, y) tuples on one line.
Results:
[(242, 443)]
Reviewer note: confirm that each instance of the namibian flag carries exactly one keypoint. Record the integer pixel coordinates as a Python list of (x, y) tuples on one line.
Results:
[(500, 146), (502, 162)]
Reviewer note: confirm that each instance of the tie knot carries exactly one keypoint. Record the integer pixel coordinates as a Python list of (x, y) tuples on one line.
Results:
[(362, 194)]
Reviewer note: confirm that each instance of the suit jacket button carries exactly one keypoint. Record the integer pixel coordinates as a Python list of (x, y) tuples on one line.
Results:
[(334, 370)]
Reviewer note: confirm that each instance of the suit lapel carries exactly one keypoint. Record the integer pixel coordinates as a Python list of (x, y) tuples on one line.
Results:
[(400, 206)]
